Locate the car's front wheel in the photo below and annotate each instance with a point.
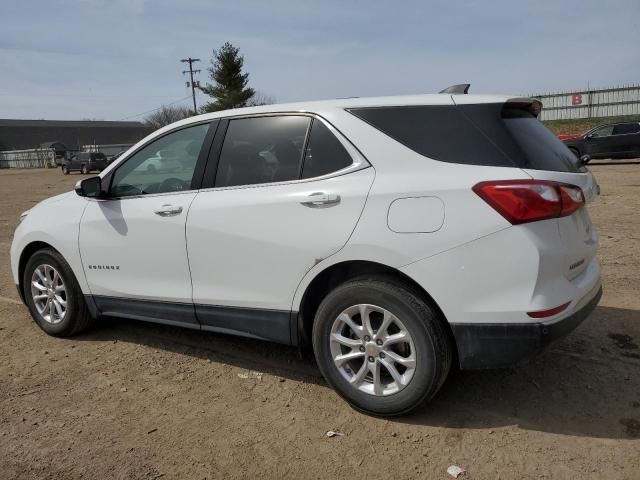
(380, 346)
(53, 295)
(65, 170)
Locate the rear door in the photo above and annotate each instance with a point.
(627, 138)
(286, 193)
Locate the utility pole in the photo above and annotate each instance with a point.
(191, 71)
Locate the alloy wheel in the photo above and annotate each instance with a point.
(372, 350)
(49, 294)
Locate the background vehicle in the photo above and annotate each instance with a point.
(162, 161)
(401, 234)
(618, 140)
(112, 158)
(85, 162)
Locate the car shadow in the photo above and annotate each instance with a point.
(586, 385)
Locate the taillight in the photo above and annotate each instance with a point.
(522, 201)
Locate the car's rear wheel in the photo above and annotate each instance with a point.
(380, 346)
(65, 170)
(84, 170)
(53, 295)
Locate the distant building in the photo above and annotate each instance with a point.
(24, 134)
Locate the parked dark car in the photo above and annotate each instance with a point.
(113, 158)
(85, 162)
(618, 140)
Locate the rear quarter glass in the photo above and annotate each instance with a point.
(492, 134)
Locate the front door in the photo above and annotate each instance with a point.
(287, 194)
(133, 244)
(600, 142)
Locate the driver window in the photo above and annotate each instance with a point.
(603, 132)
(165, 165)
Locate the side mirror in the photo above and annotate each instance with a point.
(589, 136)
(90, 187)
(583, 160)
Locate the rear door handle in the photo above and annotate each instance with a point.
(321, 199)
(168, 211)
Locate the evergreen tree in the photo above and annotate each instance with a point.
(229, 89)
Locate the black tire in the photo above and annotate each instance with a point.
(432, 346)
(77, 317)
(65, 170)
(84, 170)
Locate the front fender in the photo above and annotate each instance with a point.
(57, 224)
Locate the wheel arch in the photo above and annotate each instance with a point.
(338, 273)
(25, 255)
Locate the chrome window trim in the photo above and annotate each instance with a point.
(358, 161)
(122, 161)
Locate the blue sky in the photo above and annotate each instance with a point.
(114, 59)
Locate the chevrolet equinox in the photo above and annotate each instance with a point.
(396, 236)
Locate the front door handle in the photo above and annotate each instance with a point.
(321, 199)
(168, 211)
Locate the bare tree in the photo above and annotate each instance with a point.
(261, 98)
(167, 115)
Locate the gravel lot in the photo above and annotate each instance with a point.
(133, 400)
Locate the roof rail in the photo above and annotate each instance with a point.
(460, 88)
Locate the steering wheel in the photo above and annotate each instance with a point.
(171, 184)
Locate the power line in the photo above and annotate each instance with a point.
(155, 109)
(191, 71)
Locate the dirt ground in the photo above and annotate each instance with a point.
(134, 400)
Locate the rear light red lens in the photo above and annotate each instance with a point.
(522, 201)
(548, 313)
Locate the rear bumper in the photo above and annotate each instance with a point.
(499, 345)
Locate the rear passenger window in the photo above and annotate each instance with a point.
(625, 128)
(262, 150)
(325, 154)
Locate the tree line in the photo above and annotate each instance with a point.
(229, 88)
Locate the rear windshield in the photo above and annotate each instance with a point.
(494, 134)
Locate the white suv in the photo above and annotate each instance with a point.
(397, 235)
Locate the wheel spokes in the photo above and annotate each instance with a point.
(40, 287)
(347, 342)
(359, 377)
(395, 338)
(393, 371)
(48, 293)
(374, 368)
(346, 357)
(375, 352)
(408, 362)
(346, 319)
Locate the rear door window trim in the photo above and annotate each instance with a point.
(358, 161)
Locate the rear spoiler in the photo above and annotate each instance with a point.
(531, 105)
